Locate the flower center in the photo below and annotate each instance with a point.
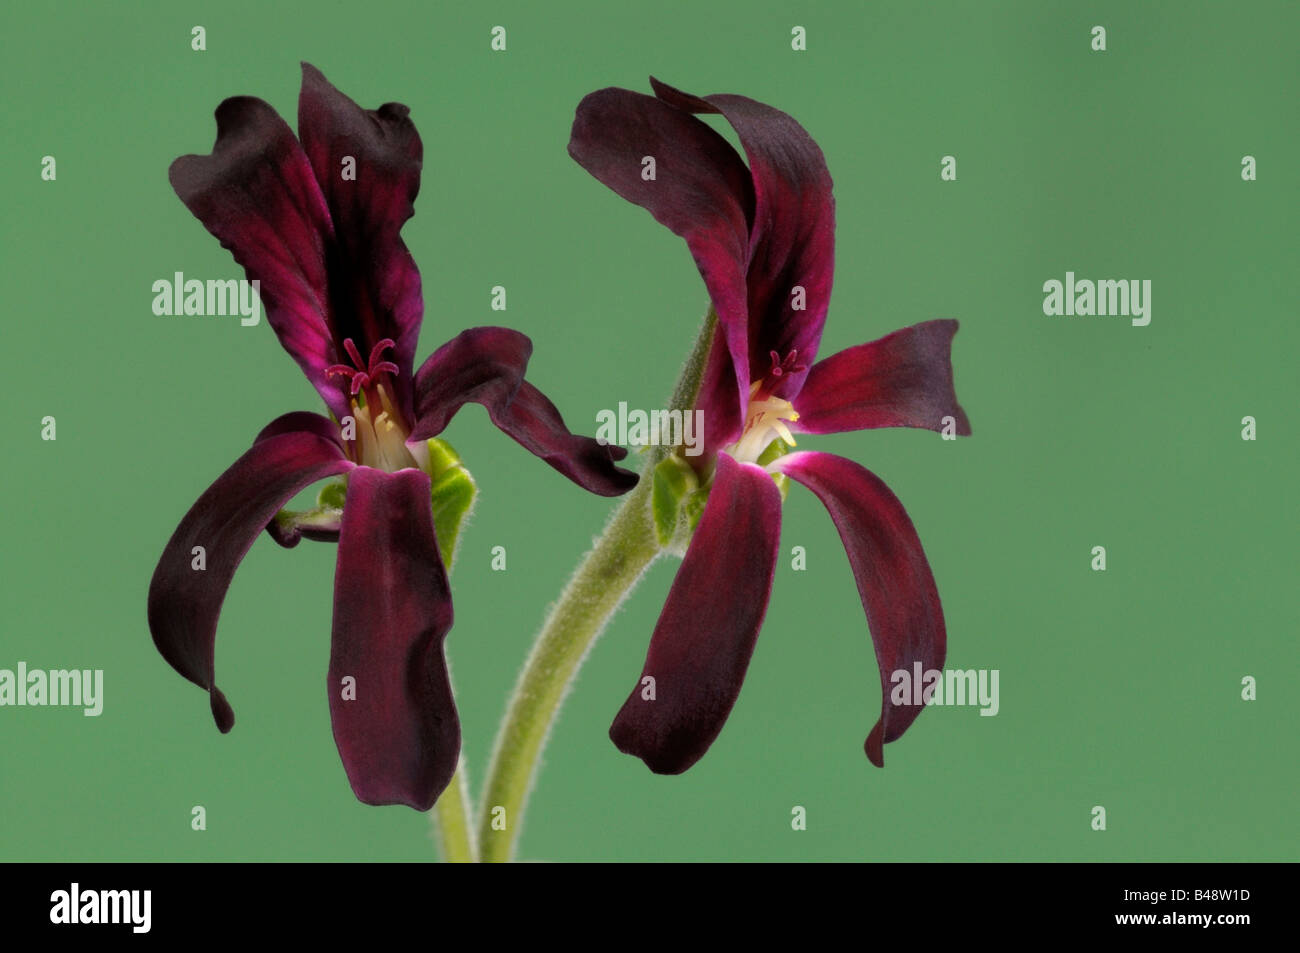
(766, 416)
(380, 431)
(381, 437)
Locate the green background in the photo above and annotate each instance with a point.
(1119, 689)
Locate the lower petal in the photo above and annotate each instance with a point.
(395, 721)
(486, 366)
(702, 645)
(480, 365)
(200, 559)
(892, 573)
(533, 422)
(902, 380)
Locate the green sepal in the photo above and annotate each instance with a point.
(674, 480)
(782, 484)
(694, 508)
(777, 449)
(442, 457)
(332, 495)
(452, 493)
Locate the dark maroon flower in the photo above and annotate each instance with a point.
(763, 238)
(342, 294)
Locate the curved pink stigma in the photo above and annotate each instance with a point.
(786, 366)
(363, 373)
(780, 367)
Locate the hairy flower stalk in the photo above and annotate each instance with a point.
(453, 821)
(603, 580)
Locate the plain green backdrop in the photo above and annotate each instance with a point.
(1119, 688)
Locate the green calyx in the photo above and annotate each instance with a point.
(674, 482)
(452, 492)
(332, 495)
(677, 498)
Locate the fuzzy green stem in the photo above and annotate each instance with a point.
(604, 578)
(451, 821)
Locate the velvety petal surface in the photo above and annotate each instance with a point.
(374, 282)
(184, 601)
(400, 736)
(705, 636)
(486, 366)
(256, 193)
(792, 239)
(902, 380)
(701, 191)
(892, 574)
(481, 365)
(532, 421)
(724, 415)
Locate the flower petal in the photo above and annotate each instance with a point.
(302, 420)
(902, 380)
(185, 601)
(396, 725)
(288, 534)
(700, 190)
(532, 421)
(374, 278)
(792, 241)
(893, 577)
(716, 398)
(486, 366)
(481, 365)
(705, 636)
(257, 194)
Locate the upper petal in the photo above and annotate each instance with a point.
(256, 193)
(486, 366)
(189, 586)
(374, 280)
(700, 190)
(705, 636)
(395, 725)
(892, 573)
(902, 380)
(792, 241)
